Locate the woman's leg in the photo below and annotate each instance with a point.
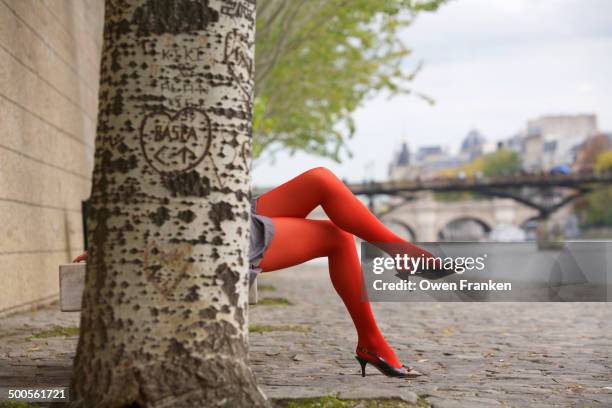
(319, 186)
(298, 240)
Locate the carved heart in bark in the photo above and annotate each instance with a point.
(166, 269)
(238, 59)
(175, 142)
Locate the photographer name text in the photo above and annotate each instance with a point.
(426, 285)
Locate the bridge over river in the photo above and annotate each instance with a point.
(513, 200)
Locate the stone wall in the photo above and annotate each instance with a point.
(49, 68)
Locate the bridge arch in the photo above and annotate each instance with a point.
(527, 220)
(530, 226)
(465, 227)
(402, 228)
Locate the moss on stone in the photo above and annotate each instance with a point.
(263, 328)
(55, 331)
(17, 404)
(334, 402)
(273, 301)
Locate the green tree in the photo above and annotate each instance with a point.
(164, 318)
(595, 209)
(604, 162)
(503, 162)
(317, 60)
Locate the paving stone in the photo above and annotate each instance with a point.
(553, 354)
(377, 393)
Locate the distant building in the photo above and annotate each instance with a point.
(515, 143)
(587, 152)
(429, 161)
(473, 145)
(546, 142)
(429, 153)
(403, 158)
(424, 164)
(552, 140)
(564, 126)
(533, 149)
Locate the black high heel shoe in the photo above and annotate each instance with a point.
(384, 367)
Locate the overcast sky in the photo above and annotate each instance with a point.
(490, 65)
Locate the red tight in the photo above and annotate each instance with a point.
(297, 240)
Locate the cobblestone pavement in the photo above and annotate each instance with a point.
(474, 354)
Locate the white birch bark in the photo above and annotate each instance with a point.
(164, 308)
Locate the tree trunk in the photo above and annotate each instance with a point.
(164, 309)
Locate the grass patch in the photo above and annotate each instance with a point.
(266, 288)
(264, 328)
(273, 301)
(321, 402)
(55, 331)
(17, 404)
(333, 402)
